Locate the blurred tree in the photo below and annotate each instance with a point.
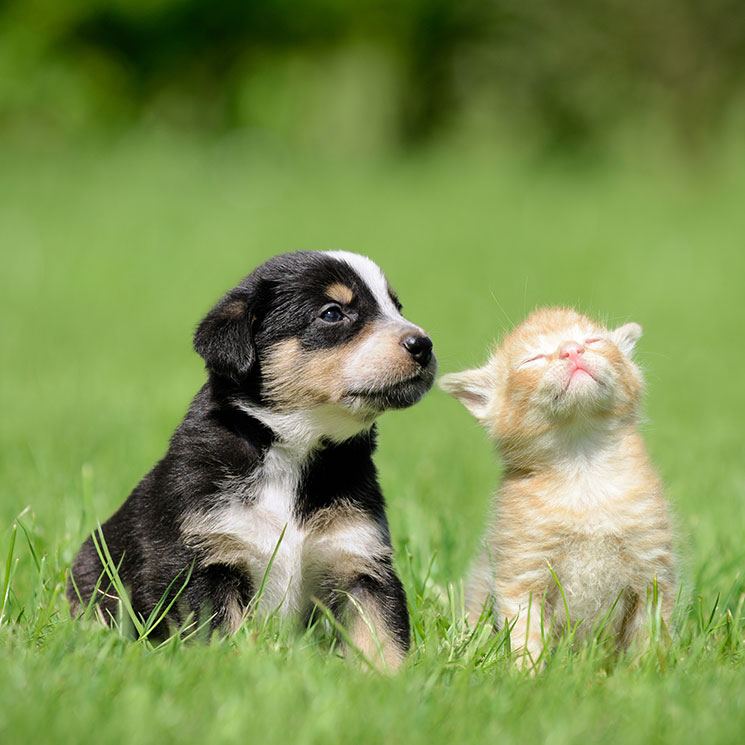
(569, 72)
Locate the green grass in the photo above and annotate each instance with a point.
(109, 257)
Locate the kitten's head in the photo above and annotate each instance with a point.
(557, 368)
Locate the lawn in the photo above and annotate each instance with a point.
(111, 254)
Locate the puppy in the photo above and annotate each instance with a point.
(274, 458)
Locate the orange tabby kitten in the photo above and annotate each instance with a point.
(580, 498)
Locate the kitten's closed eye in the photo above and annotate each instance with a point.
(594, 340)
(534, 358)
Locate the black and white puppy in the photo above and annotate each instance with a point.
(302, 357)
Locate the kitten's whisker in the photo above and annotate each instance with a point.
(504, 312)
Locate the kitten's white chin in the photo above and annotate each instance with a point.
(582, 394)
(581, 377)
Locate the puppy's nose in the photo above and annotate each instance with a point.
(419, 347)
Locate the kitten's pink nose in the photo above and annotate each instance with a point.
(570, 350)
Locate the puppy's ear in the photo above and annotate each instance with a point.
(224, 338)
(473, 388)
(626, 336)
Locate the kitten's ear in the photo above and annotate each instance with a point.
(626, 336)
(472, 388)
(224, 338)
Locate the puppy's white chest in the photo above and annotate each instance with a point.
(286, 558)
(258, 532)
(274, 539)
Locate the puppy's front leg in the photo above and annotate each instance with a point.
(374, 612)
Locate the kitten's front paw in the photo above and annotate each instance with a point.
(529, 658)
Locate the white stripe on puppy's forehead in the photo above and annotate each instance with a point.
(372, 276)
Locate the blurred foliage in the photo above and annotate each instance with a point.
(373, 73)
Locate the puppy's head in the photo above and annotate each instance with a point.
(308, 330)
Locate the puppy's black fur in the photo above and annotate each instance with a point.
(280, 436)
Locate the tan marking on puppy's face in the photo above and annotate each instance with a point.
(295, 379)
(340, 293)
(375, 359)
(378, 358)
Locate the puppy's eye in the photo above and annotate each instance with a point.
(332, 314)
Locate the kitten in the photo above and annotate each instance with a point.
(579, 498)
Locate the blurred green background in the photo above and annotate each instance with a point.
(373, 75)
(492, 157)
